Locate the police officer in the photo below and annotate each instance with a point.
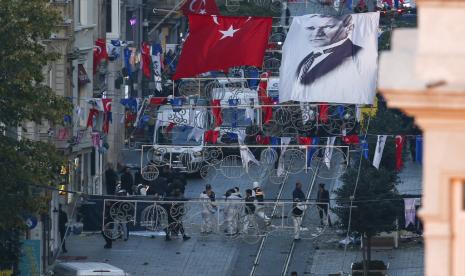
(297, 212)
(259, 196)
(249, 210)
(323, 204)
(231, 211)
(208, 209)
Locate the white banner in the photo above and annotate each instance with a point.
(329, 151)
(330, 59)
(156, 53)
(379, 150)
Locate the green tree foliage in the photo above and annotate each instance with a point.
(376, 203)
(24, 164)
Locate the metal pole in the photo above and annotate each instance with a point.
(166, 16)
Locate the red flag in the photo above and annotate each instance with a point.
(351, 139)
(217, 112)
(106, 114)
(220, 42)
(211, 136)
(100, 52)
(157, 101)
(106, 122)
(200, 7)
(170, 127)
(106, 105)
(145, 58)
(399, 147)
(262, 86)
(90, 119)
(323, 113)
(305, 140)
(262, 140)
(267, 110)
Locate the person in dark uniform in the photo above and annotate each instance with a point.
(62, 221)
(249, 210)
(323, 203)
(259, 196)
(108, 219)
(298, 193)
(127, 181)
(110, 179)
(175, 212)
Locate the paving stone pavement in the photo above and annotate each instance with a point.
(220, 256)
(155, 256)
(402, 261)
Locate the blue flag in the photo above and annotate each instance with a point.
(419, 149)
(311, 149)
(364, 145)
(275, 141)
(340, 111)
(127, 65)
(254, 74)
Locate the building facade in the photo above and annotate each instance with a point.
(423, 76)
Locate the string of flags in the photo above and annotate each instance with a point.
(147, 57)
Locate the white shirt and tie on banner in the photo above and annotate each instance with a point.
(335, 60)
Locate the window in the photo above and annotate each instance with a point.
(78, 12)
(178, 135)
(235, 117)
(108, 7)
(112, 25)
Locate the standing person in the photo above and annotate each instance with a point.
(208, 209)
(110, 179)
(160, 186)
(297, 211)
(231, 211)
(108, 233)
(62, 221)
(298, 193)
(138, 179)
(179, 180)
(127, 181)
(323, 204)
(175, 217)
(259, 196)
(249, 210)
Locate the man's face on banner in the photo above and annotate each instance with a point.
(325, 30)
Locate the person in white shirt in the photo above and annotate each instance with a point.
(231, 211)
(208, 209)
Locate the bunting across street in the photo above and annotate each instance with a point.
(217, 43)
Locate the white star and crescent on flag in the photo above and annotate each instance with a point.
(229, 32)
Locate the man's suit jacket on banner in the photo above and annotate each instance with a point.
(343, 72)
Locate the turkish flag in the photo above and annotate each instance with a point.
(323, 113)
(200, 7)
(400, 140)
(106, 104)
(157, 101)
(211, 136)
(217, 43)
(305, 140)
(145, 58)
(351, 139)
(262, 140)
(100, 52)
(216, 110)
